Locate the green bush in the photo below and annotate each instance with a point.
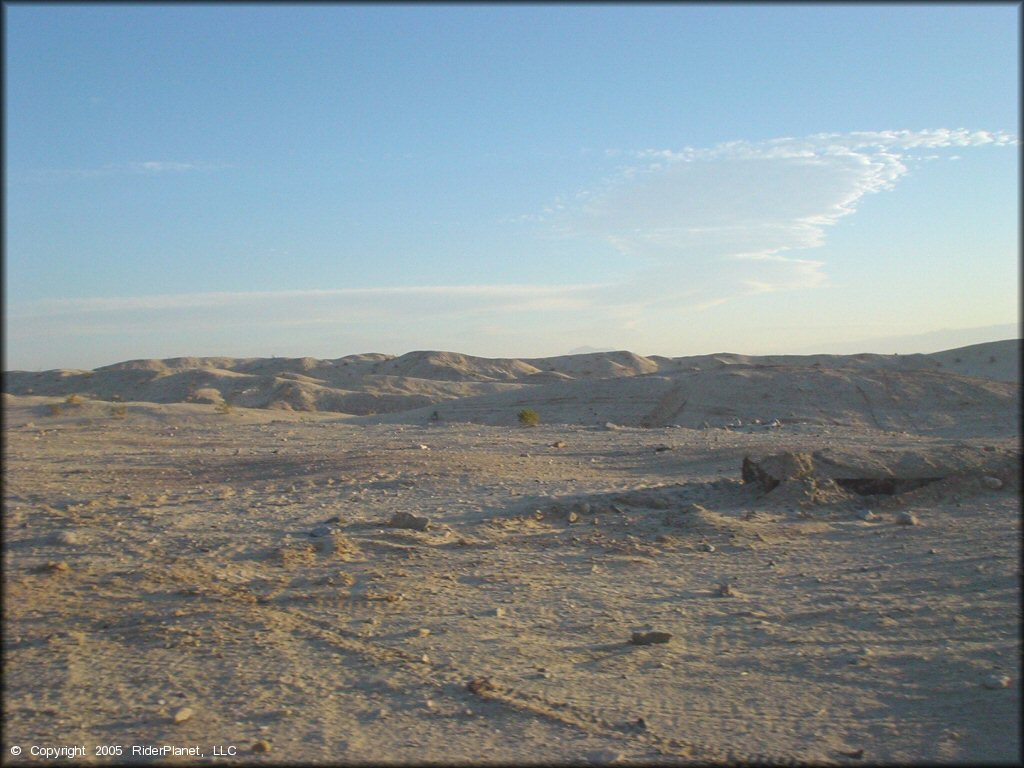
(529, 417)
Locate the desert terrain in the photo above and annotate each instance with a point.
(725, 558)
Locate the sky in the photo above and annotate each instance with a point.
(507, 181)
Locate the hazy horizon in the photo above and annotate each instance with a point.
(508, 181)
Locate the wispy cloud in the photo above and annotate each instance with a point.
(318, 321)
(135, 167)
(168, 166)
(400, 299)
(727, 217)
(695, 228)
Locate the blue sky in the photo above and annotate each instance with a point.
(507, 180)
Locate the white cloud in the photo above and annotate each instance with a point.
(722, 217)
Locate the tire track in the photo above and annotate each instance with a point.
(567, 713)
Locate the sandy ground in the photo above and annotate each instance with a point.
(236, 572)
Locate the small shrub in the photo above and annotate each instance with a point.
(223, 407)
(529, 417)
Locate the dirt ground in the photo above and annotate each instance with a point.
(174, 575)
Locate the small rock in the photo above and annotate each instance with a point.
(424, 447)
(183, 714)
(320, 530)
(423, 632)
(650, 638)
(261, 746)
(662, 448)
(867, 516)
(906, 518)
(57, 565)
(480, 685)
(67, 537)
(406, 520)
(705, 547)
(992, 483)
(573, 517)
(498, 612)
(538, 514)
(558, 444)
(724, 590)
(995, 682)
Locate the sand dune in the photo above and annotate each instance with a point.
(878, 390)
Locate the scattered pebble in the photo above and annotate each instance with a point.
(992, 483)
(183, 714)
(995, 682)
(906, 518)
(650, 638)
(261, 746)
